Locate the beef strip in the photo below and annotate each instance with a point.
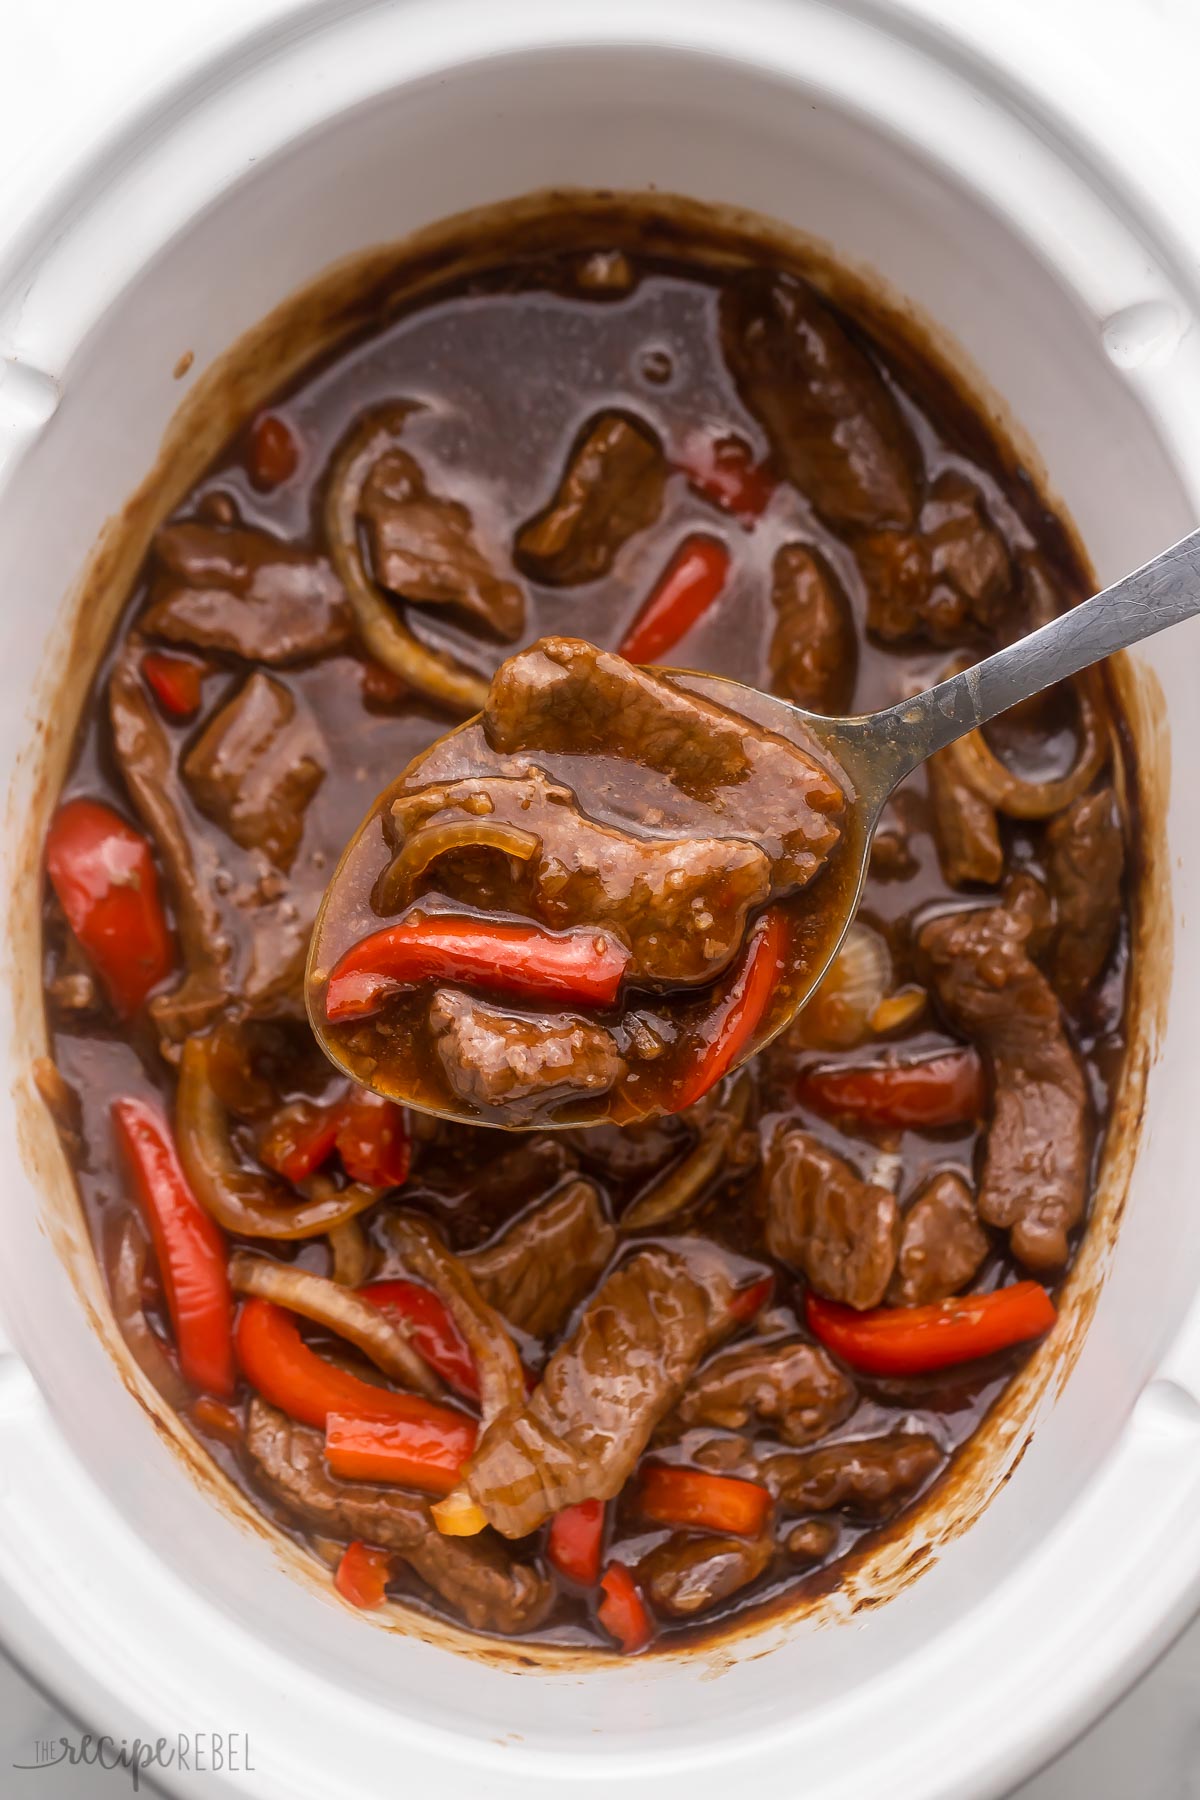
(255, 767)
(949, 577)
(476, 1576)
(686, 1575)
(423, 548)
(869, 1478)
(681, 904)
(942, 1243)
(544, 1261)
(812, 1540)
(965, 826)
(834, 427)
(565, 695)
(189, 861)
(496, 1058)
(246, 593)
(604, 1390)
(1035, 1173)
(793, 1388)
(612, 488)
(1085, 864)
(814, 649)
(823, 1219)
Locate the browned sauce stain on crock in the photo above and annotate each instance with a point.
(362, 292)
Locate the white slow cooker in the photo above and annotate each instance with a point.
(1071, 1554)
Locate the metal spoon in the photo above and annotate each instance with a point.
(875, 751)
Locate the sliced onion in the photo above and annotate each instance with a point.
(126, 1272)
(687, 1180)
(1022, 799)
(351, 1254)
(899, 1009)
(244, 1201)
(840, 1012)
(426, 846)
(501, 1377)
(325, 1303)
(385, 636)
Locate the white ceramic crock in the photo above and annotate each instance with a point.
(145, 1607)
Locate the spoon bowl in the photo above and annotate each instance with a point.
(867, 754)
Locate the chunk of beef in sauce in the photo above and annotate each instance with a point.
(604, 1390)
(680, 904)
(255, 767)
(476, 1576)
(563, 695)
(793, 1389)
(868, 1478)
(834, 427)
(1085, 867)
(611, 489)
(948, 578)
(423, 548)
(942, 1243)
(546, 1260)
(244, 592)
(514, 1061)
(821, 1218)
(814, 652)
(965, 826)
(686, 1575)
(1035, 1174)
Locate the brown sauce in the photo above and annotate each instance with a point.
(508, 366)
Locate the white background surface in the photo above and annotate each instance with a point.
(1135, 60)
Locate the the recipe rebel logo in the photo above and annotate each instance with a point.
(204, 1752)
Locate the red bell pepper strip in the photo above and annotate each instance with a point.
(217, 1419)
(280, 1366)
(362, 1575)
(381, 687)
(426, 1453)
(674, 1496)
(274, 454)
(299, 1139)
(434, 1334)
(175, 682)
(913, 1340)
(691, 582)
(190, 1248)
(623, 1612)
(373, 1140)
(583, 966)
(738, 1016)
(577, 1541)
(945, 1089)
(748, 1302)
(103, 873)
(724, 471)
(369, 1133)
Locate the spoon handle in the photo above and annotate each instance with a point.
(1162, 592)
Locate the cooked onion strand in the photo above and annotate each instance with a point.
(1022, 799)
(249, 1203)
(385, 636)
(325, 1303)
